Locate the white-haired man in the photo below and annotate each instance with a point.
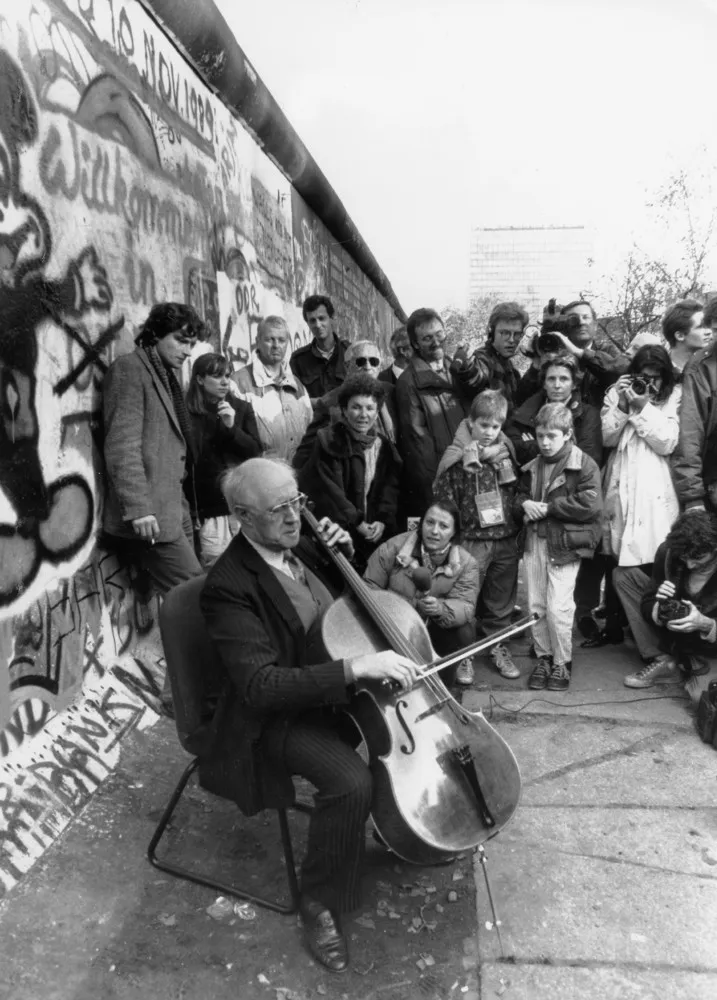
(263, 606)
(362, 357)
(280, 402)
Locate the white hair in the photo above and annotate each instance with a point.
(240, 482)
(352, 348)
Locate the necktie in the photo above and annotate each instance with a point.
(295, 567)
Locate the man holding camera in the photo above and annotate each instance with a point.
(673, 615)
(575, 330)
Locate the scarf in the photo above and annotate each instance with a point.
(174, 391)
(366, 440)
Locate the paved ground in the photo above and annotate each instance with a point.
(605, 882)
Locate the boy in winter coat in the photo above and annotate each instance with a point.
(560, 500)
(478, 474)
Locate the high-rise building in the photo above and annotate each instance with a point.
(531, 264)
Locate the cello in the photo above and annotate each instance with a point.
(444, 780)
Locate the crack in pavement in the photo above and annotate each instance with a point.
(603, 758)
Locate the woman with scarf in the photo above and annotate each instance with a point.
(560, 379)
(438, 577)
(224, 434)
(353, 472)
(641, 423)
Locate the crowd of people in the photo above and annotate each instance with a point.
(580, 466)
(437, 476)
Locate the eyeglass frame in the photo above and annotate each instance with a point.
(364, 362)
(296, 504)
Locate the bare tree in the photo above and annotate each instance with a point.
(669, 261)
(469, 326)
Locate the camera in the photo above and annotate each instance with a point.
(671, 610)
(641, 385)
(546, 342)
(554, 322)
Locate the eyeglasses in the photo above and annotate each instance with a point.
(297, 503)
(365, 362)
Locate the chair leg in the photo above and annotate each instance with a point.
(224, 887)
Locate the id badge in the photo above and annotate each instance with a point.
(490, 509)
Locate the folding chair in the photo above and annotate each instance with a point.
(196, 685)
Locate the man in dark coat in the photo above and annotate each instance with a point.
(279, 718)
(429, 408)
(148, 448)
(321, 365)
(491, 366)
(694, 461)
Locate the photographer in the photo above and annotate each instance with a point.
(640, 422)
(575, 328)
(673, 614)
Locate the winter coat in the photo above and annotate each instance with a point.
(327, 411)
(694, 460)
(281, 405)
(455, 584)
(486, 369)
(429, 412)
(335, 476)
(218, 448)
(573, 523)
(684, 645)
(640, 499)
(461, 485)
(144, 449)
(586, 423)
(317, 373)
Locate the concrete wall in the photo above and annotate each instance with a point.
(124, 180)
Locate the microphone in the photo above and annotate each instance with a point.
(422, 579)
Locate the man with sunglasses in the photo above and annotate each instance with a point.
(362, 357)
(263, 602)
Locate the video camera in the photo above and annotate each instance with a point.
(546, 341)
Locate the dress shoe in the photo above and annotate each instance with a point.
(323, 937)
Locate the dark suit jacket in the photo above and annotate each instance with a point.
(262, 651)
(144, 450)
(386, 375)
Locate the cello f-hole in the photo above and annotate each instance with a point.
(410, 748)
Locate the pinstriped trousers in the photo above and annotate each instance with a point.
(550, 596)
(316, 748)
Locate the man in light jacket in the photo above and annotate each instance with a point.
(281, 404)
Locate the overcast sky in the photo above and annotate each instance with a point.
(429, 118)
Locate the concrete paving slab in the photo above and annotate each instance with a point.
(570, 909)
(541, 982)
(580, 762)
(94, 920)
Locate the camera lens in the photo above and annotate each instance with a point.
(639, 385)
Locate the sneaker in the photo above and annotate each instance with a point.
(539, 677)
(464, 673)
(500, 655)
(659, 669)
(559, 679)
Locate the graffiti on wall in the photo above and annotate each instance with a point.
(123, 182)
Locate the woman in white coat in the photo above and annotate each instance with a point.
(640, 422)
